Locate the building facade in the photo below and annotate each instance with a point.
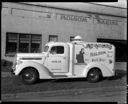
(27, 27)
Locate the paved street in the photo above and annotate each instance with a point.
(103, 94)
(75, 90)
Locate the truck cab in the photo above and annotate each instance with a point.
(57, 59)
(75, 59)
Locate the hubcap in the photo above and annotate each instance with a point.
(93, 76)
(28, 76)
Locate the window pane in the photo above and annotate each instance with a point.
(35, 47)
(53, 38)
(24, 38)
(53, 50)
(24, 43)
(24, 47)
(11, 43)
(11, 47)
(36, 43)
(60, 49)
(71, 38)
(57, 50)
(36, 39)
(12, 35)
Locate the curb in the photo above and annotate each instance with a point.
(58, 92)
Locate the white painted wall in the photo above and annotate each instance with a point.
(15, 19)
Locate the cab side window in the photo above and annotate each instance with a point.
(57, 50)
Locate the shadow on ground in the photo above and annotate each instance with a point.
(120, 74)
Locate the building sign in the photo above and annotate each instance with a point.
(107, 22)
(73, 18)
(100, 20)
(42, 14)
(86, 19)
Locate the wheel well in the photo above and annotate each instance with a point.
(29, 67)
(96, 68)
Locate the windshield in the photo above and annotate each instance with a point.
(46, 48)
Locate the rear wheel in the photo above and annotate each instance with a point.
(94, 75)
(29, 76)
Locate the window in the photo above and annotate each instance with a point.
(22, 43)
(57, 50)
(71, 38)
(53, 38)
(36, 43)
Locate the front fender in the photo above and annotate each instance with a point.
(104, 69)
(44, 73)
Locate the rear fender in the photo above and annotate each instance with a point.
(103, 68)
(44, 73)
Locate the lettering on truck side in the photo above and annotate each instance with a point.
(90, 46)
(97, 53)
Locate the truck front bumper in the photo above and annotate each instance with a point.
(12, 71)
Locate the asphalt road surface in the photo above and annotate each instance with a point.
(103, 94)
(74, 90)
(105, 91)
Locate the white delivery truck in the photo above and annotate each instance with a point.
(75, 59)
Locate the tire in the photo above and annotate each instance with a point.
(29, 76)
(94, 75)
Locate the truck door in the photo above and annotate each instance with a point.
(57, 60)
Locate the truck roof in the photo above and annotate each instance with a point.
(75, 42)
(55, 43)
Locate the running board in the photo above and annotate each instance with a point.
(60, 76)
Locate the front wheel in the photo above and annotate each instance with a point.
(29, 76)
(94, 75)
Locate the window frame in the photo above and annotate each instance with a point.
(56, 50)
(72, 38)
(18, 43)
(56, 36)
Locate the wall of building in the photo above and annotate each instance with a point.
(21, 18)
